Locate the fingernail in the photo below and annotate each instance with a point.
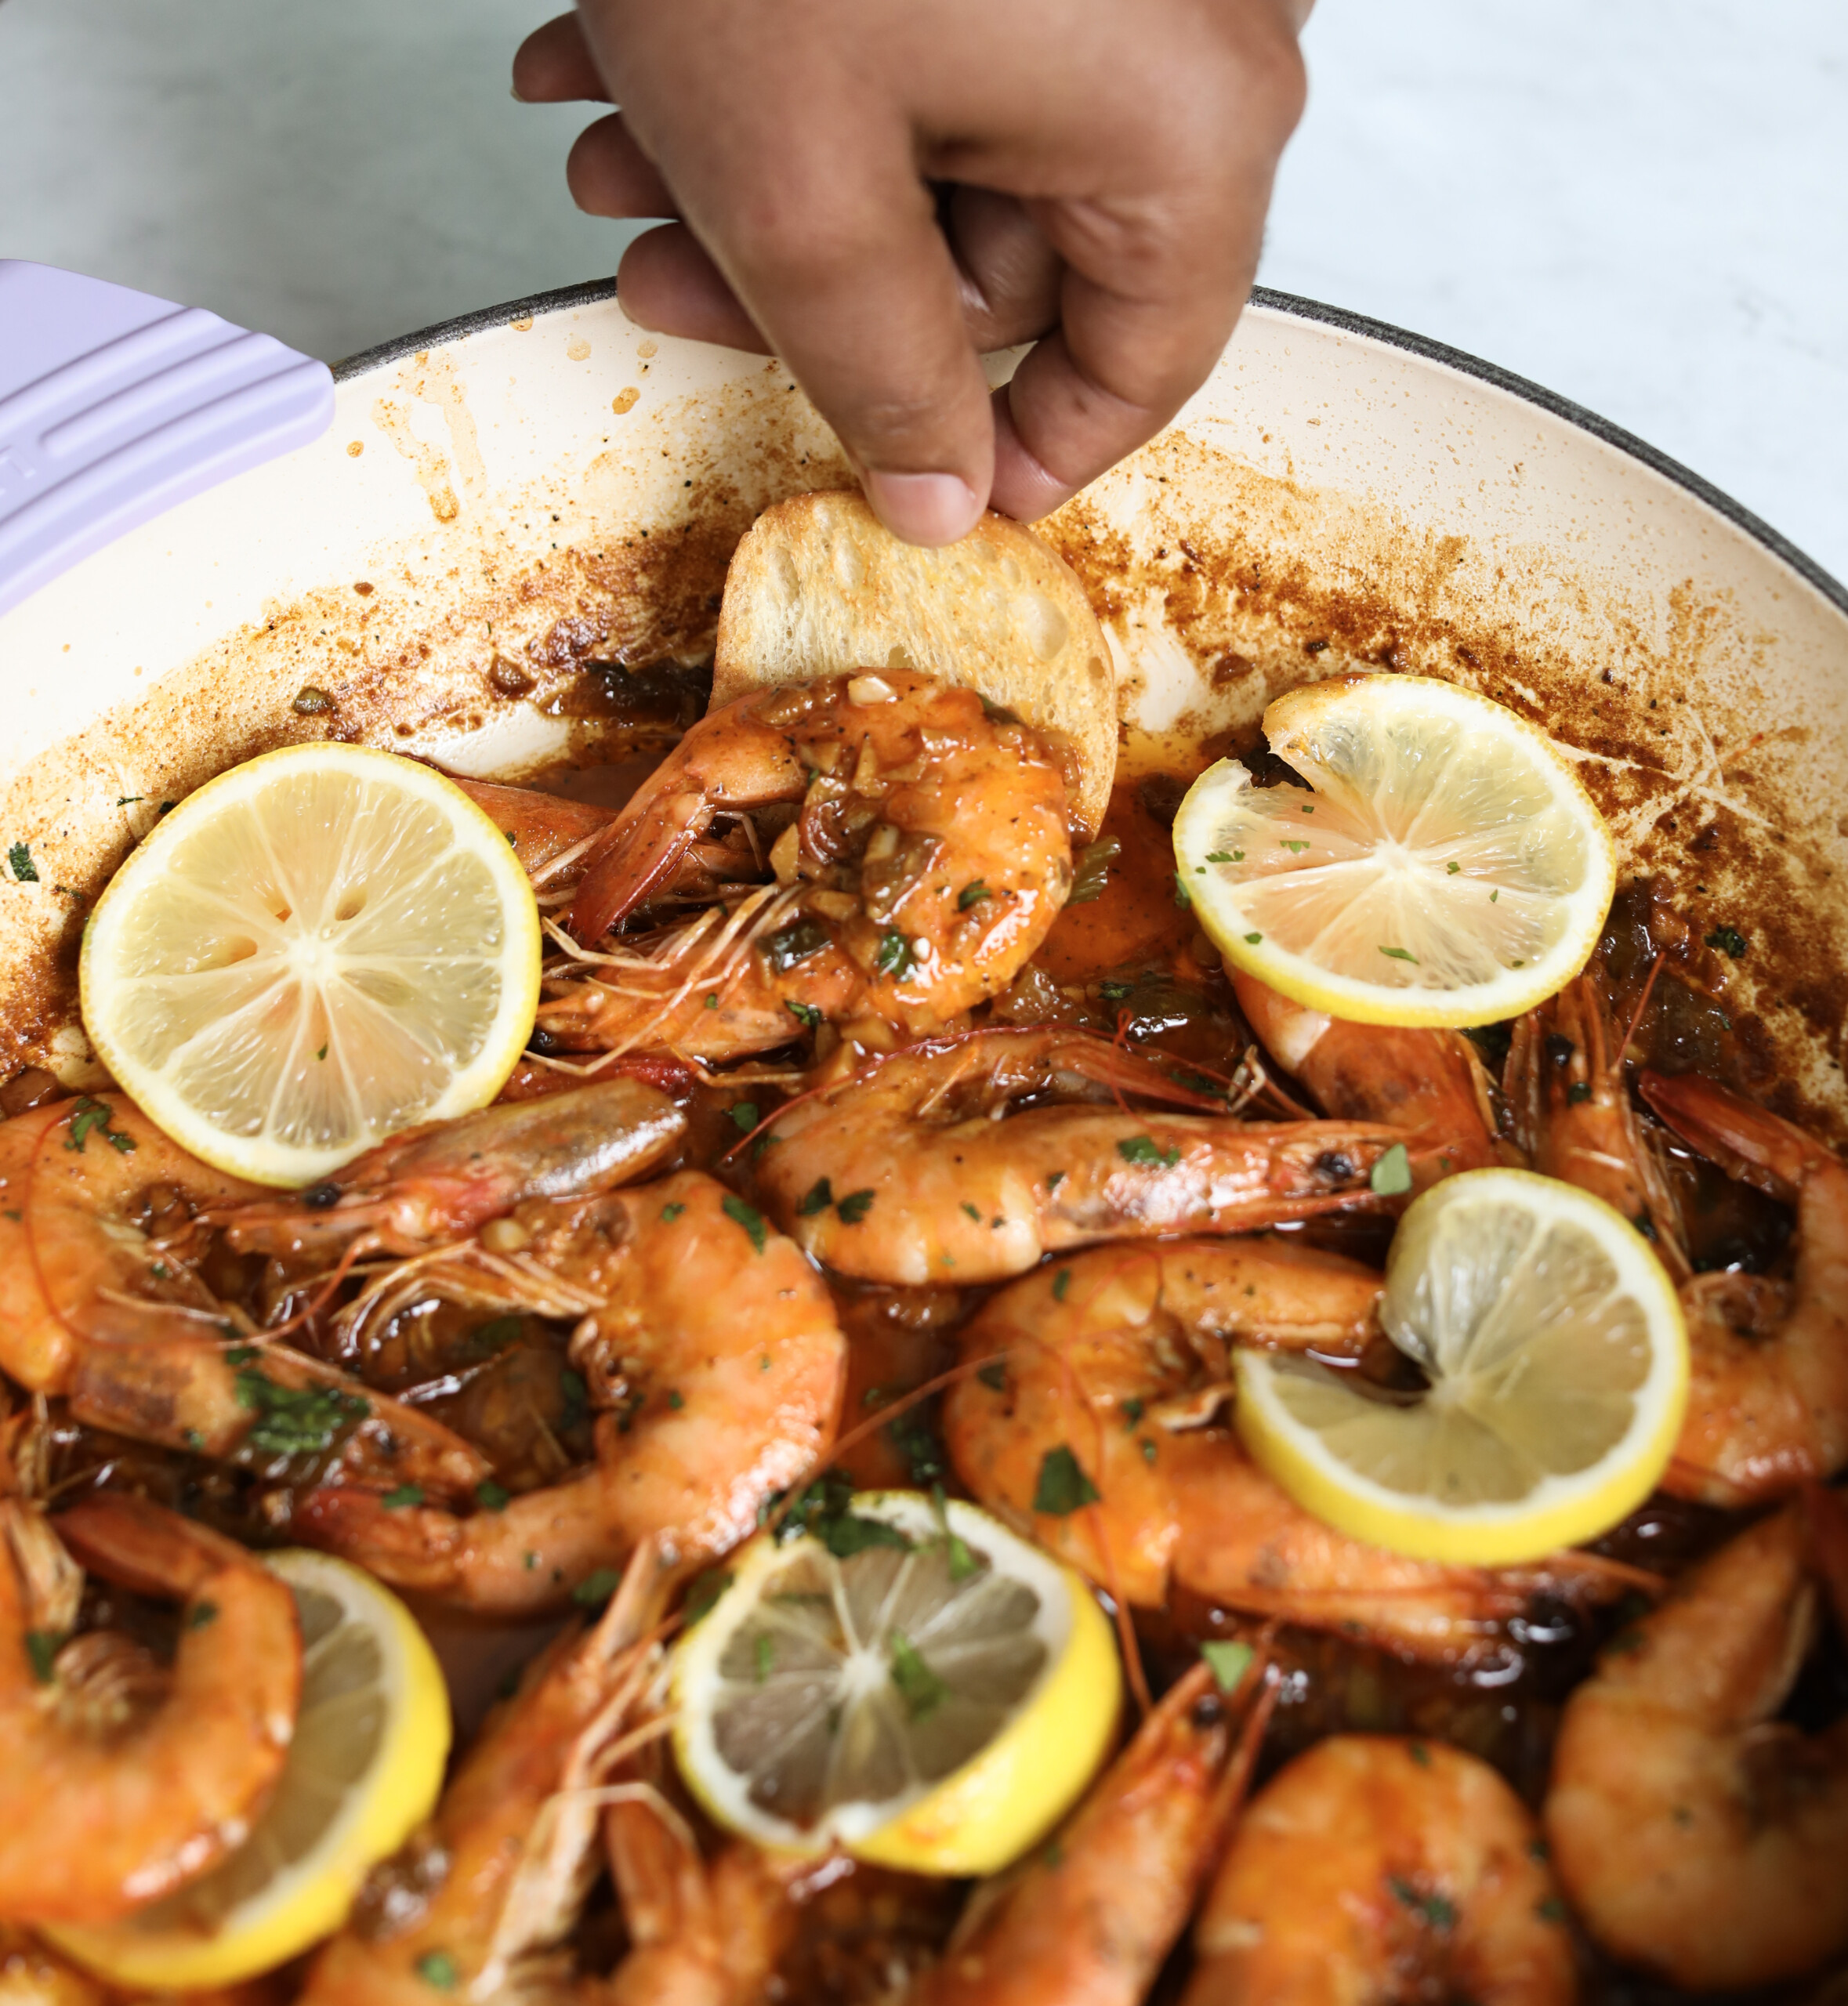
(924, 508)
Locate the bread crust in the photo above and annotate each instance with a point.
(818, 586)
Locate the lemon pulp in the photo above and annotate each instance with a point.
(933, 1693)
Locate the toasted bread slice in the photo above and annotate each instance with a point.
(819, 585)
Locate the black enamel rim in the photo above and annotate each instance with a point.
(1722, 504)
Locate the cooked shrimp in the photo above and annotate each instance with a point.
(1429, 1080)
(1089, 1921)
(1697, 1835)
(907, 1173)
(712, 1349)
(729, 982)
(439, 1183)
(1372, 1869)
(1102, 1437)
(479, 1903)
(1768, 1388)
(1573, 1116)
(99, 1302)
(700, 1932)
(122, 1783)
(932, 846)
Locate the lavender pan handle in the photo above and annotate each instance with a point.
(115, 405)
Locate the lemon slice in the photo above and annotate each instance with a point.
(320, 946)
(929, 1692)
(1558, 1362)
(1448, 868)
(364, 1770)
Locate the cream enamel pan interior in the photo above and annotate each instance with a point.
(501, 500)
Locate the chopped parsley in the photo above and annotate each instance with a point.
(596, 1588)
(817, 1198)
(1728, 939)
(492, 1496)
(1577, 1093)
(1063, 1487)
(854, 1207)
(20, 856)
(1227, 1661)
(437, 1967)
(1450, 869)
(973, 1211)
(42, 1647)
(1091, 871)
(1252, 939)
(200, 1614)
(993, 1376)
(744, 1115)
(1219, 857)
(670, 1213)
(405, 1494)
(292, 1421)
(748, 1217)
(89, 1114)
(805, 1014)
(1141, 1149)
(1294, 848)
(1399, 954)
(1435, 1910)
(1061, 1282)
(971, 894)
(895, 957)
(794, 943)
(1391, 1176)
(1183, 897)
(824, 1510)
(919, 1686)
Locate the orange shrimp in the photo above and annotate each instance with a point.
(930, 856)
(1102, 1437)
(1090, 1919)
(906, 1172)
(712, 1350)
(122, 1783)
(1697, 1835)
(1430, 1081)
(1768, 1392)
(1373, 1869)
(1572, 1114)
(100, 1302)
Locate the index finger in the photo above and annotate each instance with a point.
(554, 65)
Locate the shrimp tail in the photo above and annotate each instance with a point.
(1748, 1142)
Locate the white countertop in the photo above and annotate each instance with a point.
(1641, 203)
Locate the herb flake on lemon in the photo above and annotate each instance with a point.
(904, 1677)
(318, 948)
(1446, 866)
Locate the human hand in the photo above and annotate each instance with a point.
(881, 190)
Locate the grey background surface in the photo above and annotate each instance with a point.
(1642, 203)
